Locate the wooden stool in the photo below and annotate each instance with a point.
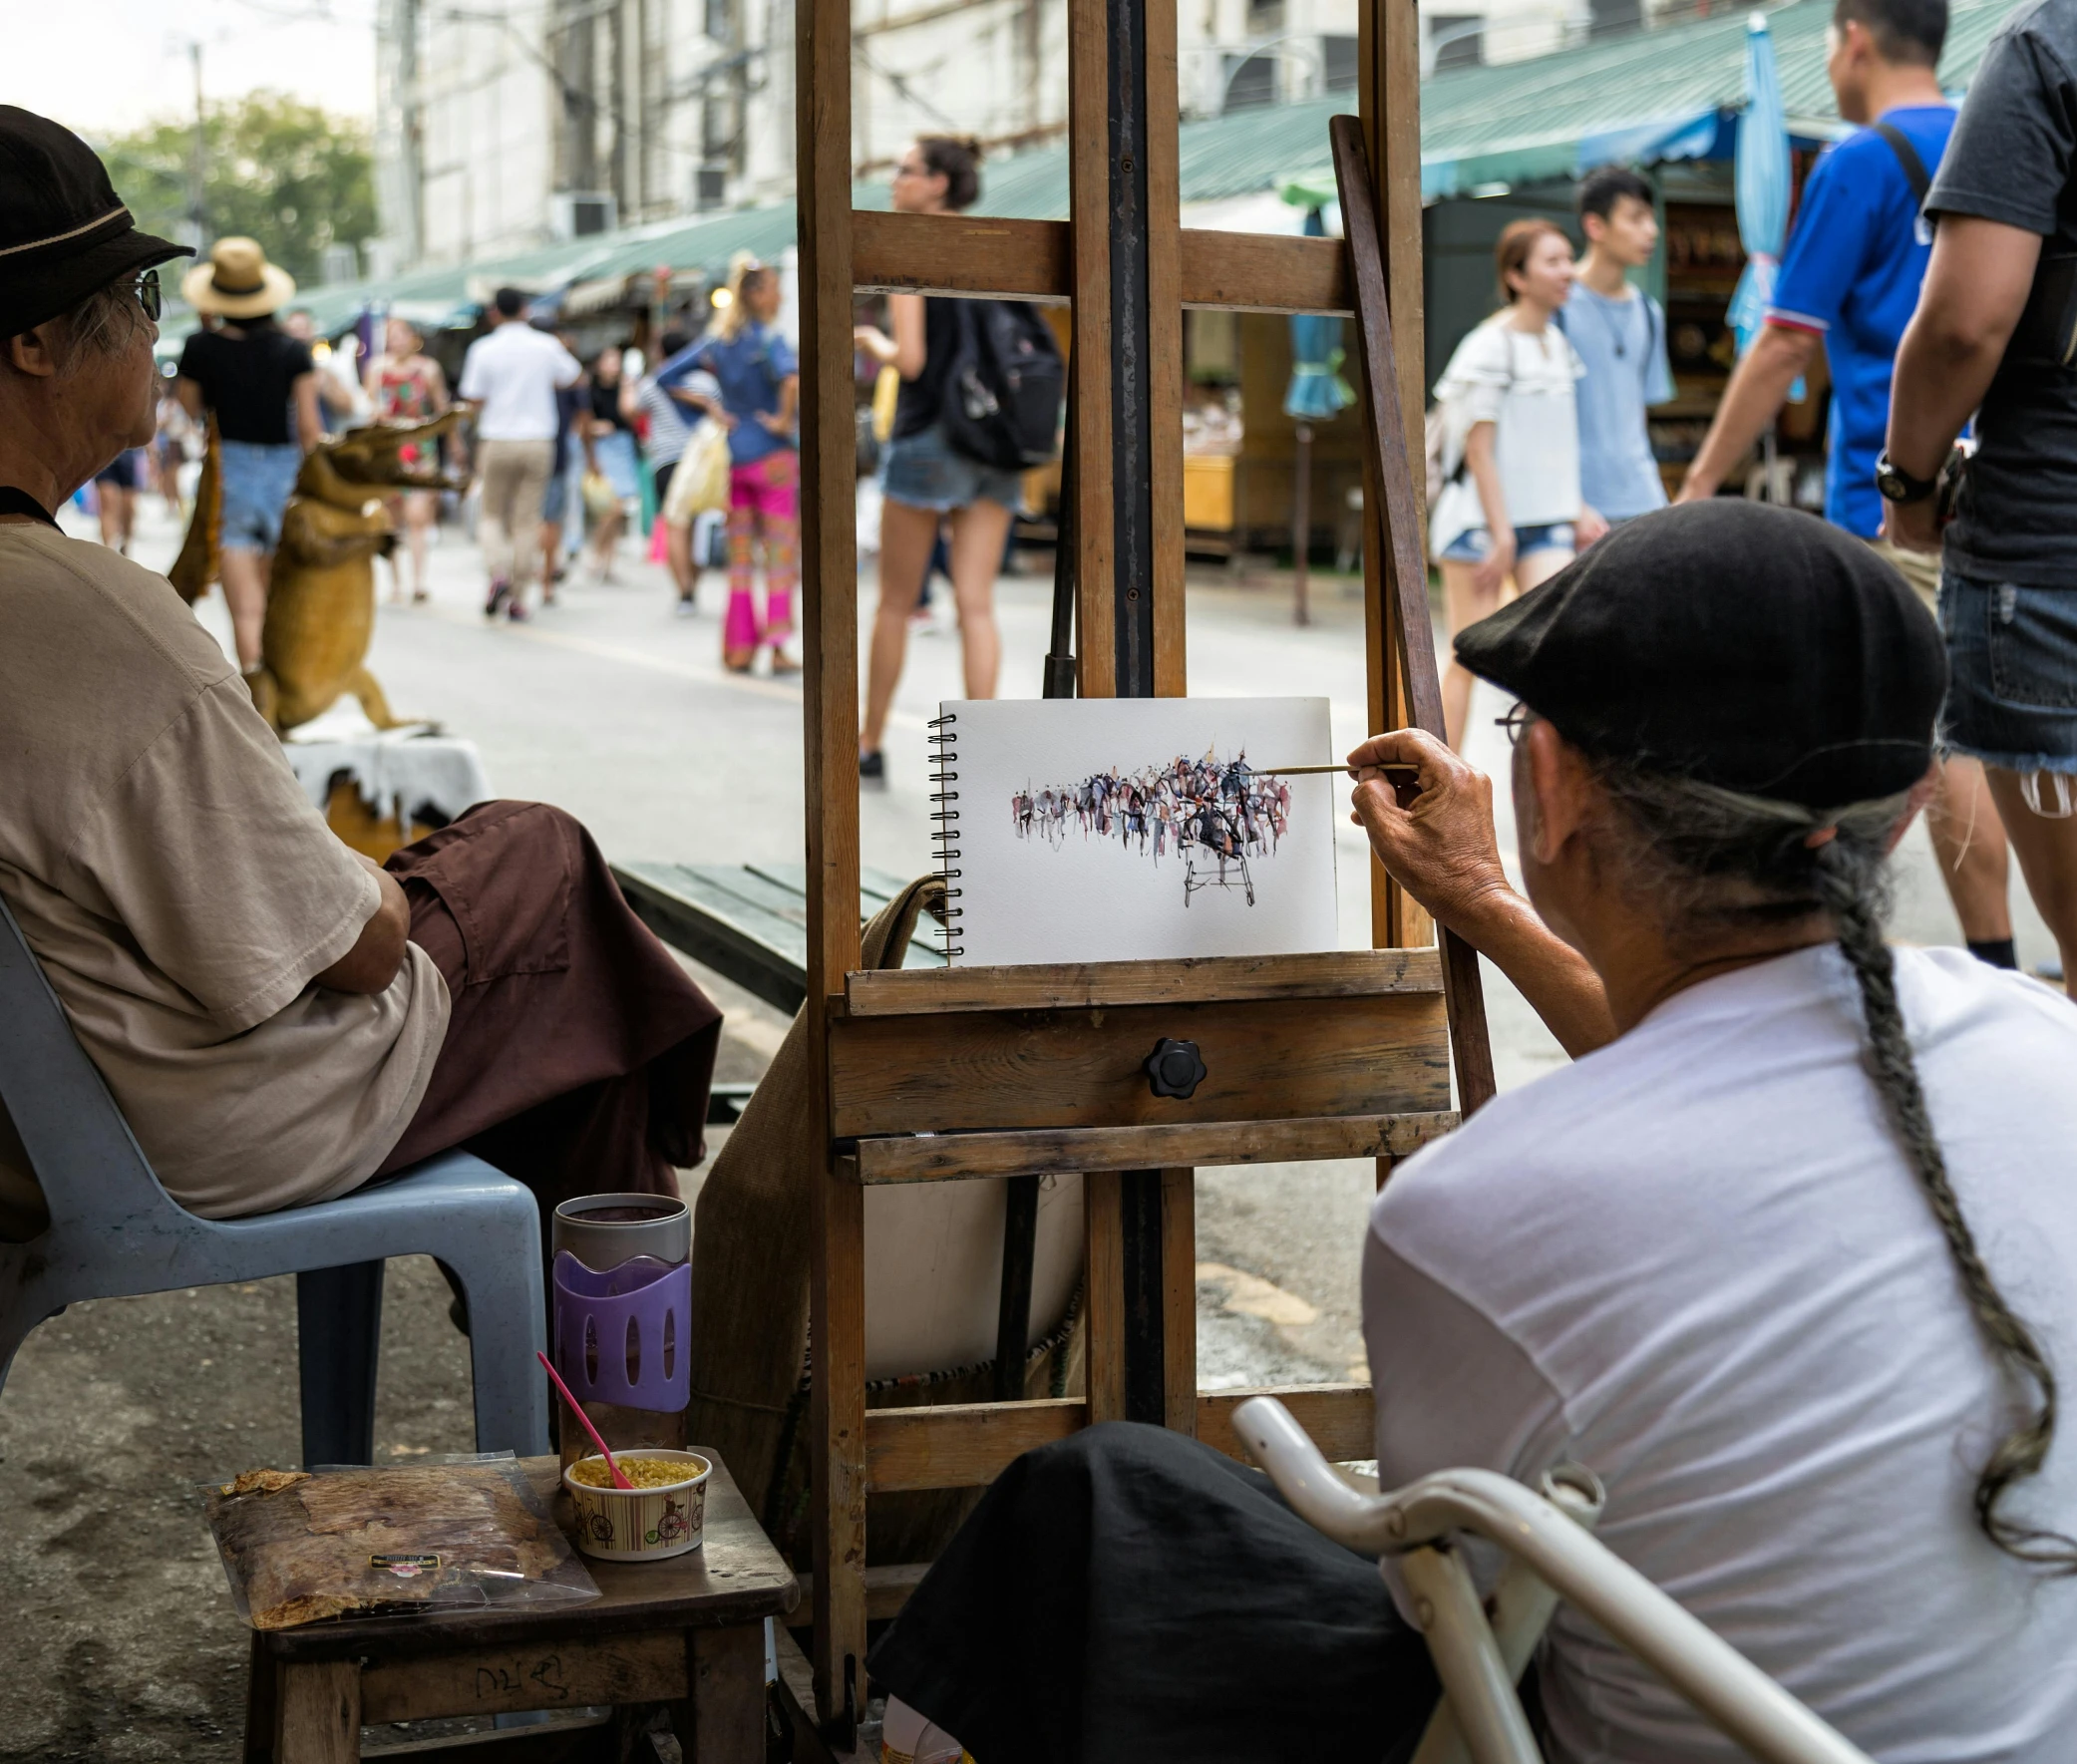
(688, 1632)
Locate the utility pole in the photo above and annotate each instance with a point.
(399, 133)
(198, 159)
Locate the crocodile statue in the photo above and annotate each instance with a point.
(321, 598)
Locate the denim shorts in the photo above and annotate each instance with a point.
(257, 481)
(922, 471)
(2012, 673)
(1472, 544)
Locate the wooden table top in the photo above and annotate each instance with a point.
(735, 1577)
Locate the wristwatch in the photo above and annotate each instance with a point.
(1898, 485)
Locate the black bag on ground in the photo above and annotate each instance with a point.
(1003, 391)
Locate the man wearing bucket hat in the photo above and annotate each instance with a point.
(1788, 1259)
(260, 385)
(280, 1019)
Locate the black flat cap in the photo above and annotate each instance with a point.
(64, 233)
(1747, 646)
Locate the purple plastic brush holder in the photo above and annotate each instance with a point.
(621, 1336)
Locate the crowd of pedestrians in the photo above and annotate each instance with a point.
(1540, 440)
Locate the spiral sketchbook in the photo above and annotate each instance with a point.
(1129, 828)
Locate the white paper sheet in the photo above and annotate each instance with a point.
(1077, 886)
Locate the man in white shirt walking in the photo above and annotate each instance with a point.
(510, 378)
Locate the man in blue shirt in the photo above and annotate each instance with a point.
(1849, 285)
(1621, 334)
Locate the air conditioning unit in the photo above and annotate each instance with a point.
(580, 213)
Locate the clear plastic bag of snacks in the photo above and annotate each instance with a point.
(302, 1546)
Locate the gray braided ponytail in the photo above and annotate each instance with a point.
(1714, 858)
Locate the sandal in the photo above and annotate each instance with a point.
(738, 661)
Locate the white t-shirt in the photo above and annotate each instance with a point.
(1697, 1262)
(1522, 383)
(514, 373)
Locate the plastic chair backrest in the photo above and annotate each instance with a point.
(81, 1150)
(1416, 1523)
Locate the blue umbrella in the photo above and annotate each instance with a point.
(1762, 183)
(1318, 390)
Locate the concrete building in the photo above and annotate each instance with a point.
(505, 125)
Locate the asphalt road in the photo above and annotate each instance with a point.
(124, 1643)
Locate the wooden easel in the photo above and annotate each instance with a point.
(1016, 1070)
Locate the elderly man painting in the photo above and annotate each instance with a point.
(279, 1020)
(1787, 1255)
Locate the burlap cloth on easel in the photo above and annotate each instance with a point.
(749, 1329)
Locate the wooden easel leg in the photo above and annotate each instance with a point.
(830, 687)
(836, 1329)
(317, 1719)
(726, 1670)
(1104, 1236)
(1178, 1263)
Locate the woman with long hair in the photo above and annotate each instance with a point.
(406, 385)
(1511, 441)
(760, 382)
(928, 483)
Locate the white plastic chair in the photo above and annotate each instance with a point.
(114, 1232)
(1552, 1555)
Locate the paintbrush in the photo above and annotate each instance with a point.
(1392, 767)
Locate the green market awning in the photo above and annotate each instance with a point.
(1642, 99)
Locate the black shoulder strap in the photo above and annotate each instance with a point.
(1914, 167)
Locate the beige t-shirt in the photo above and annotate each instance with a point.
(181, 892)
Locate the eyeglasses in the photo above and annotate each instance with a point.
(1515, 722)
(149, 295)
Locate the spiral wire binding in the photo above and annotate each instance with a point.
(946, 832)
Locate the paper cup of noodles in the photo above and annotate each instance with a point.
(663, 1515)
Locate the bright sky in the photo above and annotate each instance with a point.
(103, 67)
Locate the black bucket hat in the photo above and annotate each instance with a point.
(64, 233)
(1751, 648)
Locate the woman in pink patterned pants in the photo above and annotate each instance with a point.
(763, 502)
(760, 385)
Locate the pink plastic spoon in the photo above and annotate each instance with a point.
(583, 1420)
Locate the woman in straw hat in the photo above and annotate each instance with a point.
(260, 385)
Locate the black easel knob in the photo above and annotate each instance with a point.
(1175, 1068)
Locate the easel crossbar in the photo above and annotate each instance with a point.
(982, 256)
(968, 1445)
(965, 1157)
(1076, 985)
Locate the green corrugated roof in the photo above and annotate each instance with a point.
(1518, 122)
(1657, 93)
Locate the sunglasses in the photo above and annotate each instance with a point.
(1515, 722)
(149, 295)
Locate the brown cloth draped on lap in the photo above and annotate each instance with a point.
(579, 1053)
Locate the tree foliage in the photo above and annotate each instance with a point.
(283, 172)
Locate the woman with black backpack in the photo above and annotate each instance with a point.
(928, 477)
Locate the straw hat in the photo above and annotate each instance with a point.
(238, 281)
